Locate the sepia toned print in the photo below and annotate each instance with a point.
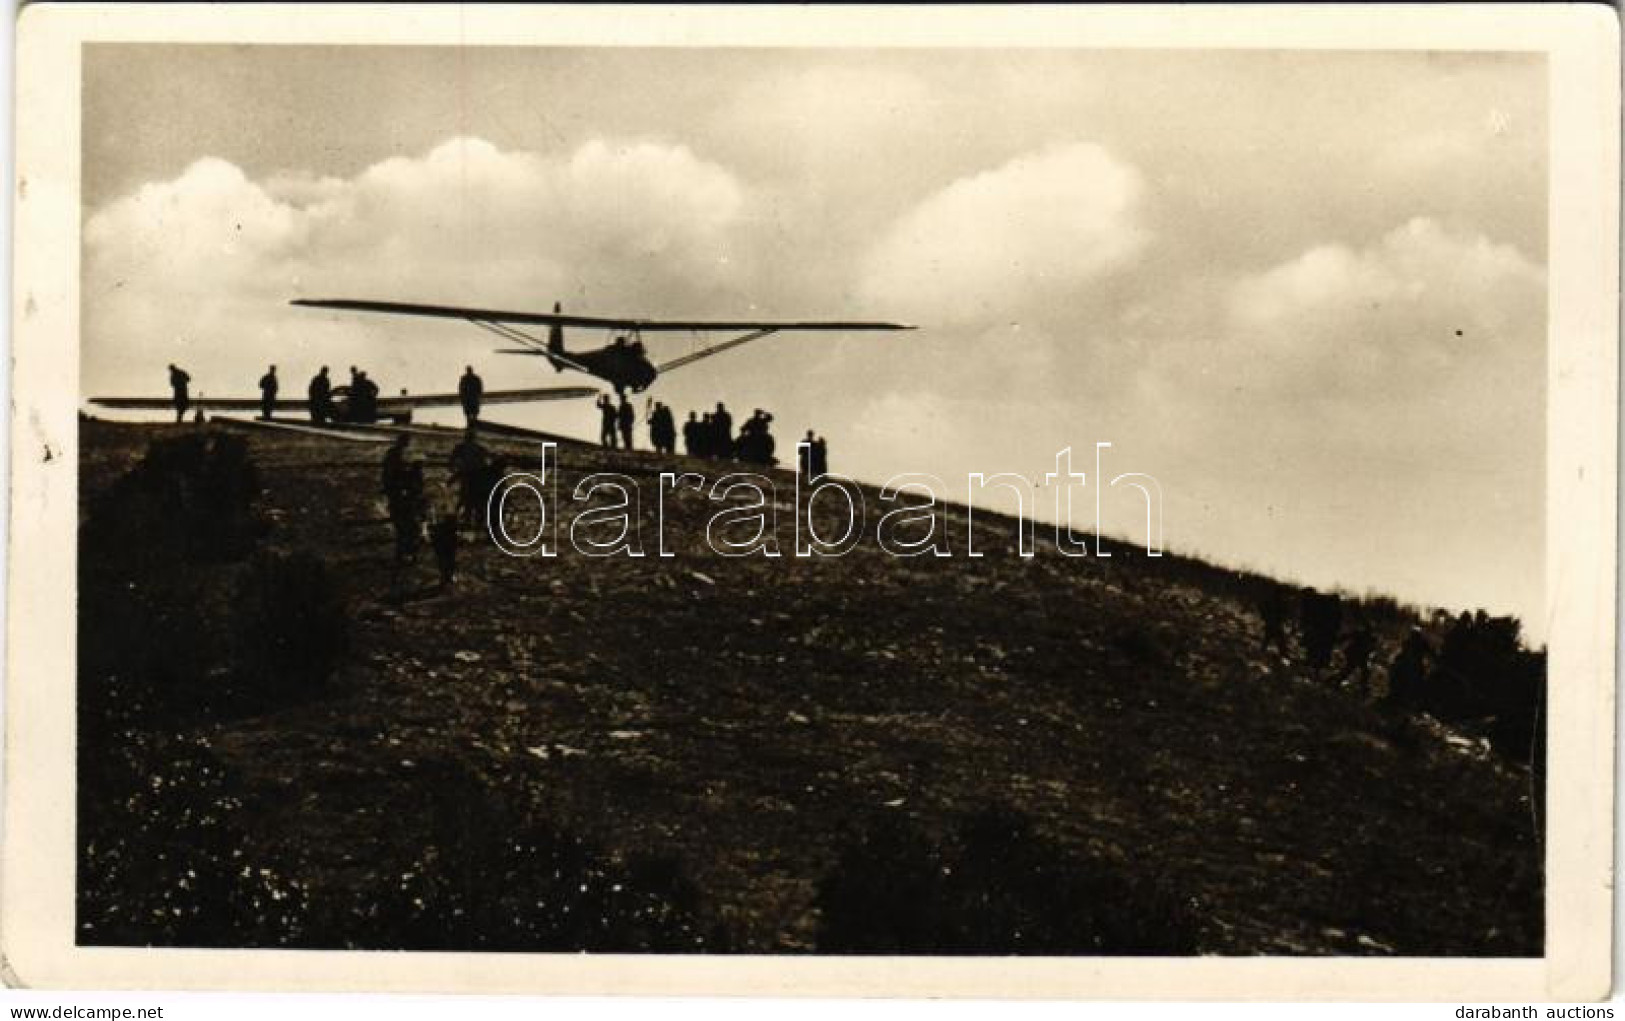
(1112, 754)
(816, 502)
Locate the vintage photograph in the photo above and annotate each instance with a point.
(1018, 502)
(812, 501)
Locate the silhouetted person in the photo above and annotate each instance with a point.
(1320, 619)
(555, 339)
(487, 480)
(1274, 611)
(606, 421)
(395, 468)
(692, 440)
(820, 458)
(1357, 654)
(1408, 673)
(804, 455)
(662, 429)
(353, 399)
(443, 522)
(707, 433)
(668, 428)
(628, 419)
(406, 511)
(443, 540)
(470, 389)
(320, 393)
(179, 382)
(468, 461)
(756, 443)
(364, 399)
(722, 432)
(268, 389)
(409, 507)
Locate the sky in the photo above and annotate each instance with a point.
(1305, 291)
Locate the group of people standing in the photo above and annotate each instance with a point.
(360, 397)
(710, 435)
(415, 514)
(616, 422)
(813, 456)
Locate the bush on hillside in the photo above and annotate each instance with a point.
(996, 886)
(496, 875)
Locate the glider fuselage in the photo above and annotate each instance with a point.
(622, 364)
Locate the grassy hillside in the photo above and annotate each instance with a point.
(866, 753)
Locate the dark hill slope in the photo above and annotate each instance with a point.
(730, 732)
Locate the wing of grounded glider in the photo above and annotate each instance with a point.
(386, 404)
(205, 403)
(554, 393)
(598, 322)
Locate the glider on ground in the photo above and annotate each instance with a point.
(343, 407)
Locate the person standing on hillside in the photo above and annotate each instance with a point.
(468, 460)
(320, 392)
(693, 441)
(662, 429)
(606, 422)
(407, 507)
(1357, 656)
(820, 458)
(1408, 673)
(268, 388)
(1320, 619)
(470, 389)
(179, 381)
(364, 399)
(395, 467)
(445, 512)
(722, 428)
(1273, 609)
(628, 419)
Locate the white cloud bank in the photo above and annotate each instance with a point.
(998, 246)
(190, 268)
(1360, 411)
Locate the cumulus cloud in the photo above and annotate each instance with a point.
(1025, 238)
(1420, 326)
(1381, 405)
(1421, 300)
(190, 266)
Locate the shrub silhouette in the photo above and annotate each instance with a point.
(293, 625)
(175, 627)
(495, 875)
(190, 498)
(1481, 675)
(996, 887)
(162, 858)
(1321, 618)
(885, 894)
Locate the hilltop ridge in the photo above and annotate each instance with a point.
(750, 745)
